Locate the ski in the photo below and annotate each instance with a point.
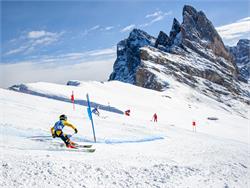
(83, 145)
(87, 150)
(60, 143)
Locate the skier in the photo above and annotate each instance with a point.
(96, 111)
(56, 131)
(155, 117)
(127, 112)
(194, 126)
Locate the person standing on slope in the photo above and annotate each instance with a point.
(127, 112)
(96, 111)
(56, 130)
(155, 117)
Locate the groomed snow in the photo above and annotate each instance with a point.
(130, 151)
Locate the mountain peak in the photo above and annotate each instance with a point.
(197, 30)
(197, 26)
(192, 52)
(243, 42)
(162, 40)
(138, 33)
(128, 55)
(176, 28)
(187, 9)
(176, 24)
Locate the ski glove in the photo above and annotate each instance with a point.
(53, 135)
(76, 130)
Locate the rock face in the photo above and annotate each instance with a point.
(162, 40)
(128, 55)
(197, 29)
(241, 54)
(176, 28)
(193, 53)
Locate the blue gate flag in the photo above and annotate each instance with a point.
(89, 113)
(90, 116)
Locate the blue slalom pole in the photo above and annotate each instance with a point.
(90, 116)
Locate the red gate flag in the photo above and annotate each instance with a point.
(72, 97)
(73, 100)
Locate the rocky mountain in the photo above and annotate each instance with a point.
(193, 53)
(128, 55)
(241, 54)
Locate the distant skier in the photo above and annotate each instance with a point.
(56, 131)
(194, 126)
(96, 111)
(127, 112)
(155, 117)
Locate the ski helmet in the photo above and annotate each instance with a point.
(63, 117)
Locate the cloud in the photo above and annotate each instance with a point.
(88, 65)
(87, 31)
(74, 58)
(29, 72)
(28, 42)
(127, 28)
(231, 33)
(108, 28)
(39, 34)
(94, 28)
(107, 51)
(155, 14)
(155, 17)
(16, 50)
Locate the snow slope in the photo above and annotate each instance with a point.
(130, 151)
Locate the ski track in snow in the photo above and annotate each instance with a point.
(130, 151)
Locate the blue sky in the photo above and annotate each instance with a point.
(57, 33)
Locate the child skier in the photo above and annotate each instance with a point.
(56, 131)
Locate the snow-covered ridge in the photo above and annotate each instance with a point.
(62, 93)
